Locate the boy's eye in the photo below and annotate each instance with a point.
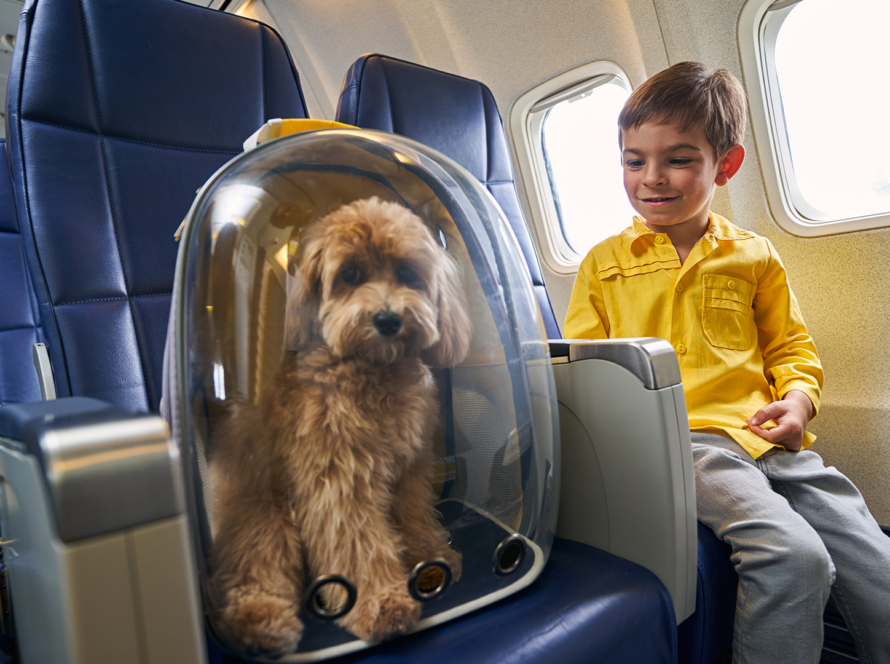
(633, 163)
(351, 275)
(408, 277)
(680, 161)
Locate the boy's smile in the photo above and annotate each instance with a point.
(670, 176)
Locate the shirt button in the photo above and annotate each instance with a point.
(659, 239)
(680, 288)
(730, 284)
(681, 349)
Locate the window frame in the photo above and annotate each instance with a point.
(759, 24)
(527, 117)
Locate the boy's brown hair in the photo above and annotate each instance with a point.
(687, 94)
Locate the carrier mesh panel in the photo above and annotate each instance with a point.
(486, 442)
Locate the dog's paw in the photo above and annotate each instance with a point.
(259, 621)
(386, 614)
(453, 558)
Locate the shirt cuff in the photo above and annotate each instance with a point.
(804, 387)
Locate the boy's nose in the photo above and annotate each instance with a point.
(654, 176)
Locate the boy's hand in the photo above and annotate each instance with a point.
(791, 414)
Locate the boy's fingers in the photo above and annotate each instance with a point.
(774, 435)
(768, 412)
(769, 435)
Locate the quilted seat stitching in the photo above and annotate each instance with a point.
(20, 328)
(111, 207)
(111, 299)
(133, 140)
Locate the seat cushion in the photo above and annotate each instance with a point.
(456, 116)
(587, 606)
(118, 112)
(19, 326)
(707, 633)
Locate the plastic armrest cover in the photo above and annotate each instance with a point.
(627, 480)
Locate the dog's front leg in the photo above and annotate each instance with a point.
(413, 511)
(355, 538)
(258, 572)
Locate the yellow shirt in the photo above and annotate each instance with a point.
(728, 311)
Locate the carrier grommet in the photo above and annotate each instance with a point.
(315, 603)
(429, 579)
(509, 555)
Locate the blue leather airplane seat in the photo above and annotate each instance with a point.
(118, 112)
(454, 115)
(19, 326)
(588, 605)
(707, 634)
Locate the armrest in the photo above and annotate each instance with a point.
(106, 469)
(651, 360)
(627, 483)
(95, 537)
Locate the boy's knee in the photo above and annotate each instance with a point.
(809, 563)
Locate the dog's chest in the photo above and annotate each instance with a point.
(388, 411)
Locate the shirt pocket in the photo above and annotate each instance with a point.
(727, 315)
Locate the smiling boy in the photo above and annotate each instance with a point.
(751, 375)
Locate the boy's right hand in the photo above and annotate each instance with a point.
(791, 416)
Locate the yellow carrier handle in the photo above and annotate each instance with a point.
(277, 128)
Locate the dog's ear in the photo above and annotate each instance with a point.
(455, 329)
(304, 292)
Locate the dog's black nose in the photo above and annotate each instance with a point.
(387, 322)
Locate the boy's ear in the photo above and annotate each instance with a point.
(730, 164)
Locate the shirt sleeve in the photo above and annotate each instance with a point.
(790, 360)
(586, 317)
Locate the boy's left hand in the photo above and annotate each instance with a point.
(791, 415)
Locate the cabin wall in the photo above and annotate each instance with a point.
(513, 46)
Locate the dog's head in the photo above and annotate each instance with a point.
(373, 282)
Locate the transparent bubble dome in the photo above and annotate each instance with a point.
(363, 395)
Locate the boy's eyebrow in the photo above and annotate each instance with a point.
(684, 146)
(671, 148)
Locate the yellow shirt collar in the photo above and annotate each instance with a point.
(719, 228)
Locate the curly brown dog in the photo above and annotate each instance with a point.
(331, 473)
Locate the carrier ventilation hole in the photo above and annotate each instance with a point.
(509, 555)
(343, 596)
(429, 579)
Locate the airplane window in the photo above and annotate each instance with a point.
(817, 113)
(565, 132)
(580, 144)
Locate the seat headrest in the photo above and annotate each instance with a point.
(456, 116)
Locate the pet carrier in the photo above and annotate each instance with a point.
(358, 376)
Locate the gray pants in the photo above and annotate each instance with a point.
(798, 532)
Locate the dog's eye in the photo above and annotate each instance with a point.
(351, 275)
(408, 277)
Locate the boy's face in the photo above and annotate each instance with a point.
(670, 175)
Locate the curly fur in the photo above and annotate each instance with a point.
(331, 473)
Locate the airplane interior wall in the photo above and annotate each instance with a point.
(837, 279)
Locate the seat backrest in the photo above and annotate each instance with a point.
(454, 115)
(19, 326)
(118, 111)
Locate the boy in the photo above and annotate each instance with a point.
(751, 375)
